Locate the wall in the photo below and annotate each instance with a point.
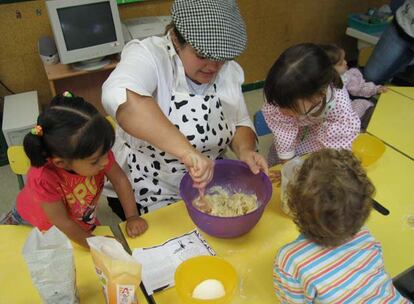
(272, 26)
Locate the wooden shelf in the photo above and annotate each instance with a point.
(87, 84)
(61, 71)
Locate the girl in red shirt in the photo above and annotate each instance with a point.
(70, 155)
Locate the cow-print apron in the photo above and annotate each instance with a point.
(156, 174)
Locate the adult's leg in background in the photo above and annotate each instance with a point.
(391, 55)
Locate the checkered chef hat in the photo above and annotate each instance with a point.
(214, 28)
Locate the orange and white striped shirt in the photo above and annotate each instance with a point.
(305, 272)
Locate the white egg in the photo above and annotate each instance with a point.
(208, 290)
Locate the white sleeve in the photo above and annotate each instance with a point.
(232, 95)
(243, 118)
(136, 72)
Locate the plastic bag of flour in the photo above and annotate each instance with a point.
(119, 272)
(49, 256)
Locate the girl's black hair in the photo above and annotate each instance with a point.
(301, 72)
(72, 129)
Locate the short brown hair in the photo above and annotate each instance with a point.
(333, 51)
(331, 197)
(171, 27)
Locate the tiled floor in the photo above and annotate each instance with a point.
(9, 186)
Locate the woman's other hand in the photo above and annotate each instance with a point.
(200, 167)
(275, 176)
(135, 226)
(255, 161)
(244, 146)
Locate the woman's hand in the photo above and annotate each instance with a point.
(255, 161)
(200, 167)
(135, 226)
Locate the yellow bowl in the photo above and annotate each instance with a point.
(193, 271)
(367, 148)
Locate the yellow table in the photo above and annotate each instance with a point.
(393, 122)
(15, 281)
(405, 91)
(252, 254)
(393, 177)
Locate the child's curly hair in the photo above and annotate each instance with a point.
(331, 197)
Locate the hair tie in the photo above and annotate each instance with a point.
(67, 94)
(37, 130)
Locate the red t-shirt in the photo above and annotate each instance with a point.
(49, 184)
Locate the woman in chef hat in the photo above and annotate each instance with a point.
(178, 102)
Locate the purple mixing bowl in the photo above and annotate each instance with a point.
(233, 176)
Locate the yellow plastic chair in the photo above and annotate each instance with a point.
(111, 120)
(19, 162)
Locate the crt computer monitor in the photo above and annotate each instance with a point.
(85, 31)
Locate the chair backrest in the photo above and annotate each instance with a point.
(19, 162)
(111, 120)
(260, 124)
(364, 55)
(404, 282)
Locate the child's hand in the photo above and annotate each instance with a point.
(275, 176)
(382, 89)
(135, 226)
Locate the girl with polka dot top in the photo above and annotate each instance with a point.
(306, 107)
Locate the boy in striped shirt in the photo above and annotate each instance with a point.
(335, 259)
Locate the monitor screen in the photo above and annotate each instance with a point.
(85, 30)
(87, 25)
